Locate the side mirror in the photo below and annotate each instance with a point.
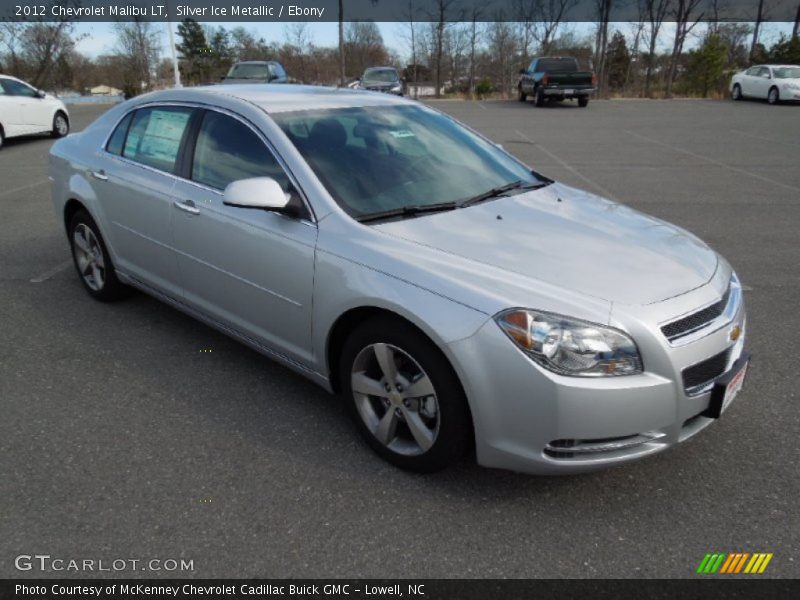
(257, 192)
(40, 94)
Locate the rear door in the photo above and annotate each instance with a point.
(250, 269)
(134, 183)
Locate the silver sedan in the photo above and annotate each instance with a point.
(456, 299)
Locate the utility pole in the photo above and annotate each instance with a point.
(175, 70)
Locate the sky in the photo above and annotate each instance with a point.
(99, 38)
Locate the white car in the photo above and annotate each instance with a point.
(775, 83)
(24, 110)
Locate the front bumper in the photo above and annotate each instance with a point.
(530, 420)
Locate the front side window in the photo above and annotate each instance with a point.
(155, 136)
(228, 150)
(763, 72)
(17, 88)
(752, 71)
(385, 158)
(2, 89)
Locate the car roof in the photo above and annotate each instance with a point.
(276, 98)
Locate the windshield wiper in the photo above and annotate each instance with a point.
(407, 211)
(499, 191)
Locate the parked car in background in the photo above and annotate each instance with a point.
(24, 110)
(555, 78)
(382, 79)
(773, 83)
(454, 297)
(256, 71)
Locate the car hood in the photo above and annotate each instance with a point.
(572, 240)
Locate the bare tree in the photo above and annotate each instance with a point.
(549, 16)
(656, 11)
(601, 42)
(441, 14)
(796, 28)
(342, 66)
(411, 38)
(525, 13)
(638, 32)
(139, 49)
(683, 26)
(757, 27)
(474, 31)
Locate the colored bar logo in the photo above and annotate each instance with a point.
(734, 563)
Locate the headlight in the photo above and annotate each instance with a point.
(569, 346)
(792, 86)
(397, 88)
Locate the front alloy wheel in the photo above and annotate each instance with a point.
(395, 399)
(773, 96)
(60, 125)
(403, 396)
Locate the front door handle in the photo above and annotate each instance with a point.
(101, 175)
(187, 207)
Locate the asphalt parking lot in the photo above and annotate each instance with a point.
(132, 431)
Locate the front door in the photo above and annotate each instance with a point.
(250, 269)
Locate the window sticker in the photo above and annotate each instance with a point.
(402, 133)
(162, 138)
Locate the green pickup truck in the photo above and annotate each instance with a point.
(555, 78)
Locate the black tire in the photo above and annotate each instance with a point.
(454, 437)
(773, 96)
(736, 92)
(111, 288)
(60, 125)
(583, 101)
(540, 97)
(2, 138)
(522, 95)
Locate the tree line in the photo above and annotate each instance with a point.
(471, 56)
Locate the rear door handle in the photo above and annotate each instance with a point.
(101, 175)
(187, 207)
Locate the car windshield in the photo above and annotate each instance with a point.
(385, 158)
(787, 73)
(382, 75)
(249, 72)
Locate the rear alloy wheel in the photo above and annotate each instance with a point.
(736, 92)
(60, 125)
(774, 96)
(583, 101)
(92, 260)
(2, 138)
(404, 397)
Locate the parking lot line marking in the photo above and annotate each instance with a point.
(713, 161)
(50, 272)
(481, 105)
(567, 166)
(23, 188)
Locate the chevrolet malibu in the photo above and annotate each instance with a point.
(456, 299)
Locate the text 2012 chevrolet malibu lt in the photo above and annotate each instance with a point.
(452, 296)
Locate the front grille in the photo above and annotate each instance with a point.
(697, 376)
(686, 325)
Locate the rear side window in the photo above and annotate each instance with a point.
(117, 140)
(2, 89)
(228, 150)
(277, 70)
(155, 136)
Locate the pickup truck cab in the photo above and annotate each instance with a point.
(555, 78)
